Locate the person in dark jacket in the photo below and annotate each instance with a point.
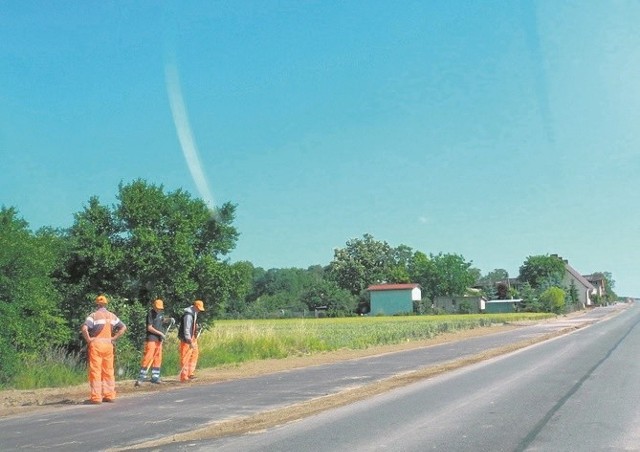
(152, 357)
(188, 335)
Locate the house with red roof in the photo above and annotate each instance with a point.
(390, 299)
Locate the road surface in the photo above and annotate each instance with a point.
(578, 392)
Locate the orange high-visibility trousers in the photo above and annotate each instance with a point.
(152, 354)
(101, 376)
(188, 359)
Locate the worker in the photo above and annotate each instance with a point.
(152, 357)
(188, 335)
(100, 330)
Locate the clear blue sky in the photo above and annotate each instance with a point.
(496, 130)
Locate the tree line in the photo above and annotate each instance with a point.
(157, 244)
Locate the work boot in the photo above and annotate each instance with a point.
(156, 381)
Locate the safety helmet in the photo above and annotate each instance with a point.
(101, 299)
(199, 305)
(158, 304)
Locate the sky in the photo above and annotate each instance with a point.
(490, 129)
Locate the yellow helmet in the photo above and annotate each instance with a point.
(158, 304)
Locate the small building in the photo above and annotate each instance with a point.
(390, 299)
(458, 304)
(500, 306)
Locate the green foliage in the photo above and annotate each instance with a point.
(152, 244)
(441, 274)
(338, 302)
(28, 298)
(610, 284)
(542, 272)
(50, 368)
(573, 293)
(465, 308)
(364, 262)
(494, 284)
(530, 302)
(553, 300)
(10, 360)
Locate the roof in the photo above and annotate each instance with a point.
(577, 276)
(393, 286)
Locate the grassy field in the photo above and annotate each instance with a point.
(237, 341)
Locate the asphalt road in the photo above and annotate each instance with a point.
(452, 409)
(578, 392)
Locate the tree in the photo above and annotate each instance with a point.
(92, 262)
(441, 274)
(152, 244)
(324, 293)
(542, 271)
(282, 289)
(361, 263)
(530, 301)
(495, 284)
(28, 298)
(239, 282)
(610, 284)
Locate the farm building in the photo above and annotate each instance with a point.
(390, 299)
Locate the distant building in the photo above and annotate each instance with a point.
(456, 304)
(598, 281)
(584, 288)
(390, 299)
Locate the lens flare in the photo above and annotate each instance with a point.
(185, 135)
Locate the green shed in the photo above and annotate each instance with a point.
(390, 299)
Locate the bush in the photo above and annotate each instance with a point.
(553, 300)
(10, 362)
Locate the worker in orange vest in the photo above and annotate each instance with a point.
(188, 335)
(100, 330)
